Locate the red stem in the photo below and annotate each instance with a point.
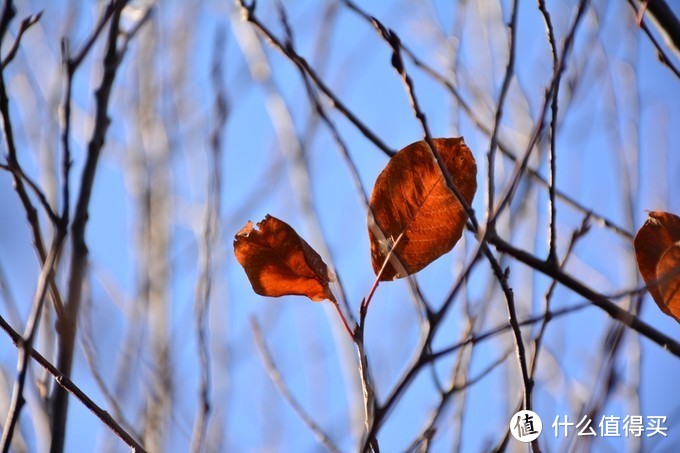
(342, 317)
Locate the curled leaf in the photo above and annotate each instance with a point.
(414, 212)
(658, 256)
(278, 262)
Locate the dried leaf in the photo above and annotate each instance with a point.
(279, 262)
(655, 251)
(412, 204)
(668, 274)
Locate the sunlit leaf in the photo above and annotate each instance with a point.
(668, 275)
(658, 256)
(279, 262)
(413, 207)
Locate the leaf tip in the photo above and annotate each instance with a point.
(245, 231)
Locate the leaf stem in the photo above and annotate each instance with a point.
(342, 317)
(364, 304)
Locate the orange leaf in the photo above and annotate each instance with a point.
(279, 262)
(658, 258)
(413, 207)
(668, 274)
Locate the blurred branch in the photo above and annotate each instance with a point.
(67, 324)
(87, 343)
(8, 298)
(282, 120)
(424, 358)
(538, 340)
(18, 173)
(277, 380)
(210, 234)
(393, 40)
(504, 147)
(521, 165)
(639, 13)
(505, 87)
(25, 342)
(248, 13)
(474, 339)
(19, 176)
(48, 264)
(596, 298)
(64, 382)
(422, 443)
(665, 20)
(25, 25)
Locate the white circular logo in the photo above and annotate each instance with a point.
(526, 426)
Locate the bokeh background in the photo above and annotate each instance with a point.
(203, 101)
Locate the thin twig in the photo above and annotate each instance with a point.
(552, 207)
(521, 165)
(503, 328)
(596, 298)
(505, 88)
(538, 341)
(505, 148)
(25, 343)
(344, 152)
(19, 176)
(552, 191)
(212, 215)
(90, 354)
(428, 432)
(114, 6)
(282, 387)
(18, 173)
(502, 277)
(425, 359)
(48, 264)
(663, 57)
(392, 39)
(667, 22)
(25, 25)
(363, 310)
(68, 385)
(249, 15)
(67, 325)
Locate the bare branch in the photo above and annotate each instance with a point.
(277, 379)
(663, 57)
(64, 382)
(25, 25)
(204, 283)
(67, 324)
(248, 14)
(668, 24)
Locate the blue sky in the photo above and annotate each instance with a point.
(259, 178)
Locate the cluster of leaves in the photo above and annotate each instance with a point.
(414, 219)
